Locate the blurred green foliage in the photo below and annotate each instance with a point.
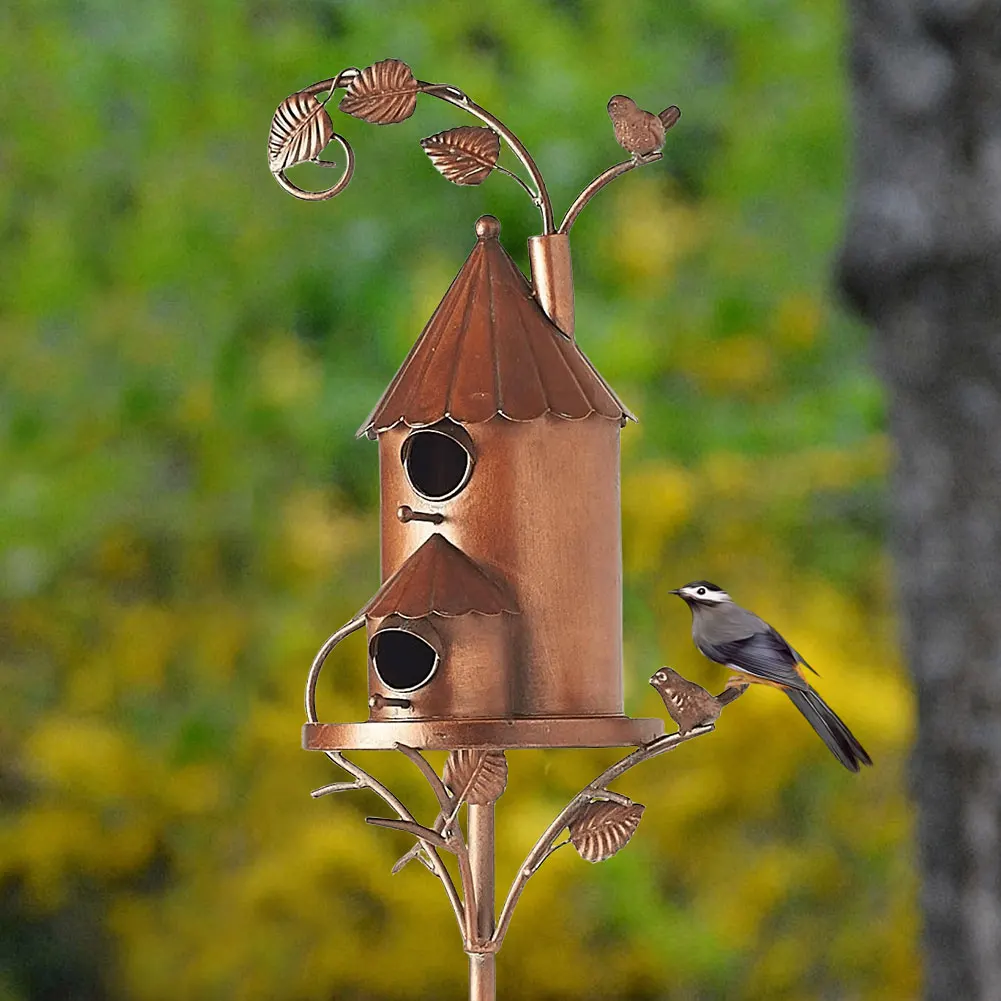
(185, 354)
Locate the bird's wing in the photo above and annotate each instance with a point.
(764, 655)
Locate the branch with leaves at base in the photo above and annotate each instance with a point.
(385, 93)
(363, 780)
(598, 820)
(469, 777)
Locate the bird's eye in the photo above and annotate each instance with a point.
(701, 590)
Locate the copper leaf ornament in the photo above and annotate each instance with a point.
(300, 130)
(601, 829)
(464, 155)
(383, 93)
(476, 776)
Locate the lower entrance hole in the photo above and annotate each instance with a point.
(402, 660)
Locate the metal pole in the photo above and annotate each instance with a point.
(482, 965)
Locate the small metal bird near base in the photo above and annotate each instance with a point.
(689, 704)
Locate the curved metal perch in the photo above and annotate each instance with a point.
(314, 670)
(599, 182)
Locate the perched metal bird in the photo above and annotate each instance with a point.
(637, 131)
(689, 704)
(731, 635)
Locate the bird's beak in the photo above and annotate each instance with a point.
(676, 591)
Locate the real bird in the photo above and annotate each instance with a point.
(637, 131)
(728, 634)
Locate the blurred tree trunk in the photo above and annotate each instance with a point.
(922, 263)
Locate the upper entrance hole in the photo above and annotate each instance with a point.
(438, 460)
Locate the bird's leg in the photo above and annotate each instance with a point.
(735, 687)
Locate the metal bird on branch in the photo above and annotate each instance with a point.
(689, 704)
(730, 635)
(640, 132)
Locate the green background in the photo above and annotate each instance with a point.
(185, 354)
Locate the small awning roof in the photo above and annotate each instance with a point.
(439, 578)
(489, 350)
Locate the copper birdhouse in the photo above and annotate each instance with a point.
(500, 617)
(498, 622)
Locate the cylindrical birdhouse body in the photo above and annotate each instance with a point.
(540, 508)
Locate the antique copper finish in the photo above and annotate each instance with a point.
(489, 350)
(552, 278)
(541, 512)
(499, 618)
(482, 965)
(505, 733)
(440, 579)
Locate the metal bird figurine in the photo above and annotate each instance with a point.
(728, 634)
(689, 704)
(637, 131)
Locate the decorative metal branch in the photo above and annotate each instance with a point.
(476, 778)
(386, 93)
(599, 182)
(430, 840)
(599, 820)
(579, 816)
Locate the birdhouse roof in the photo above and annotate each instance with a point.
(489, 350)
(441, 579)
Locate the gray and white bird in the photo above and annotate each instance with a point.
(728, 634)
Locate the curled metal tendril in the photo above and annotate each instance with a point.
(321, 196)
(342, 80)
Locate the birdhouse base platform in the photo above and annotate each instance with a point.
(502, 734)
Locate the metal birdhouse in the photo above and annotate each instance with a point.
(498, 624)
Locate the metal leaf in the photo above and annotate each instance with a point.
(465, 155)
(300, 130)
(601, 829)
(383, 93)
(476, 777)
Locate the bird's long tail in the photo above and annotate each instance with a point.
(832, 730)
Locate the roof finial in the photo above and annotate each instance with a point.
(488, 227)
